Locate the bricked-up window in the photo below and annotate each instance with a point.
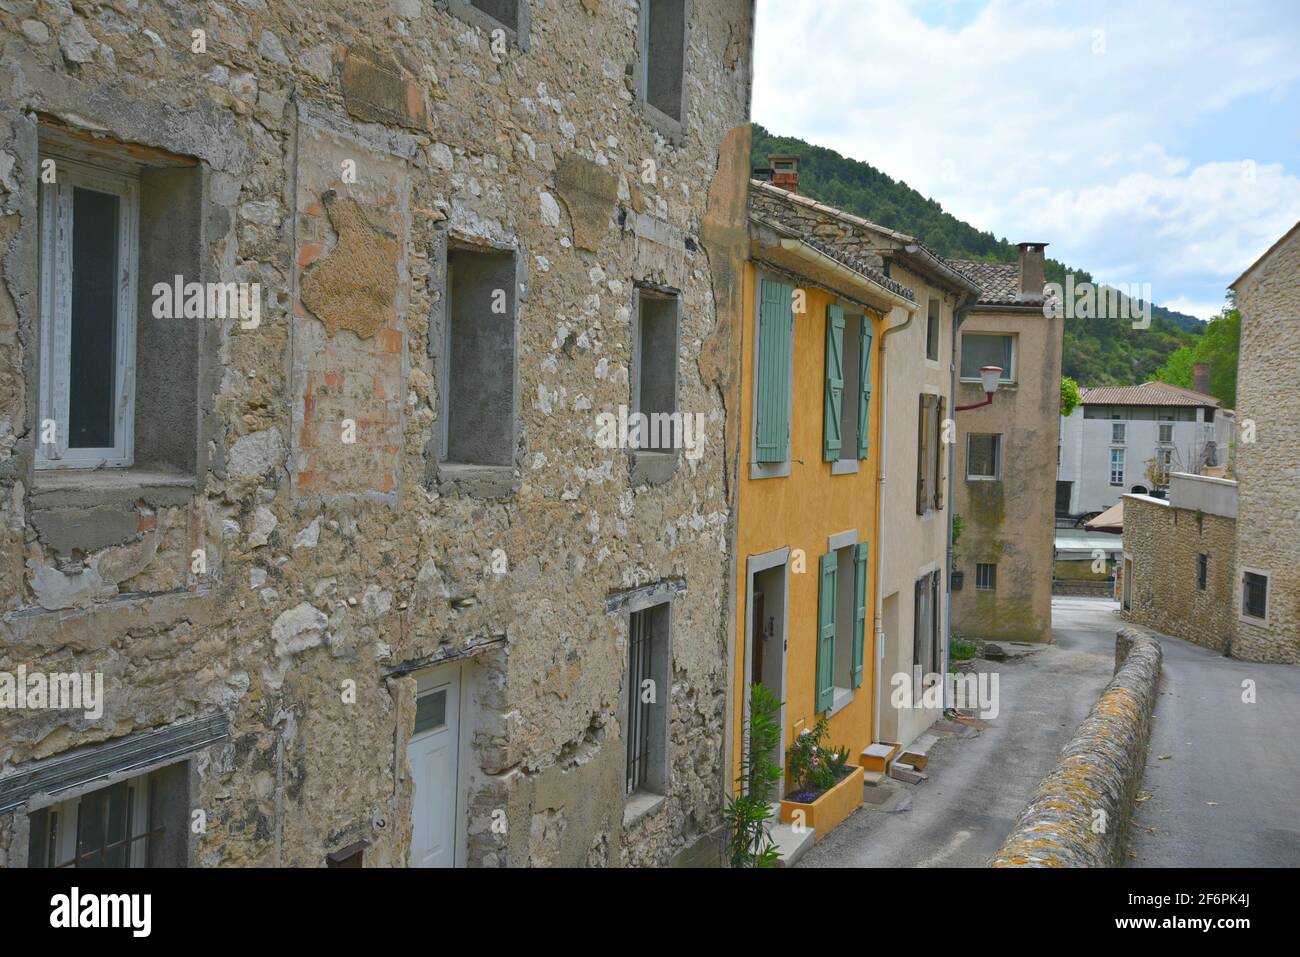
(479, 371)
(139, 822)
(983, 456)
(932, 330)
(986, 576)
(646, 727)
(489, 15)
(654, 369)
(663, 56)
(1254, 595)
(1202, 570)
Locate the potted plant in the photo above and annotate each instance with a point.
(748, 811)
(825, 788)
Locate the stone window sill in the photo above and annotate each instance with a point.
(56, 488)
(840, 700)
(476, 481)
(651, 468)
(640, 805)
(844, 467)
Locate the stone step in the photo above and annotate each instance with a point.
(901, 771)
(792, 845)
(876, 757)
(917, 753)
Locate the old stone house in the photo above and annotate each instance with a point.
(314, 322)
(1006, 452)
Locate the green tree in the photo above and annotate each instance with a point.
(747, 811)
(1218, 347)
(1069, 395)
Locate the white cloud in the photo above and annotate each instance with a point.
(1016, 125)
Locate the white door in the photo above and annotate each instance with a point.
(432, 754)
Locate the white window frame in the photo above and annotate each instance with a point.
(56, 313)
(997, 459)
(64, 845)
(1241, 596)
(1008, 375)
(1120, 428)
(1160, 432)
(1123, 466)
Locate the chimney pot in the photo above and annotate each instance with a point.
(1033, 270)
(785, 170)
(1201, 378)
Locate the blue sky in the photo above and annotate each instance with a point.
(1154, 142)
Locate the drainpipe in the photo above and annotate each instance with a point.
(880, 511)
(959, 312)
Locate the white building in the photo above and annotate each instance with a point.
(1109, 441)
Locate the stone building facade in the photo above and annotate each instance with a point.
(1268, 455)
(375, 505)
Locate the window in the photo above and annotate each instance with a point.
(983, 456)
(841, 624)
(489, 15)
(88, 276)
(986, 576)
(774, 368)
(987, 350)
(1166, 433)
(929, 459)
(932, 331)
(654, 371)
(1202, 570)
(663, 61)
(925, 625)
(1118, 432)
(847, 389)
(1116, 466)
(648, 687)
(479, 359)
(1165, 459)
(139, 822)
(1254, 595)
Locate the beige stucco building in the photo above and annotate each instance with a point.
(1006, 453)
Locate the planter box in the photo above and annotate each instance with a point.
(825, 814)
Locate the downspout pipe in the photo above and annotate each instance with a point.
(881, 458)
(959, 313)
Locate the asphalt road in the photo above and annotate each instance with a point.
(976, 786)
(1223, 775)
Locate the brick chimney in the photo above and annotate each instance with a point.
(1201, 378)
(785, 171)
(1033, 271)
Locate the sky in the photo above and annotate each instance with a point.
(1152, 142)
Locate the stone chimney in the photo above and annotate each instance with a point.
(1201, 378)
(1033, 271)
(785, 171)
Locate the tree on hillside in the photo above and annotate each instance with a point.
(1217, 346)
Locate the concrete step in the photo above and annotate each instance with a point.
(876, 757)
(871, 779)
(791, 844)
(901, 771)
(917, 753)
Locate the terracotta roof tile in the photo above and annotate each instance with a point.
(1148, 393)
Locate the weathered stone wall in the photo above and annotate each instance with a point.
(1268, 468)
(296, 580)
(1163, 543)
(1079, 814)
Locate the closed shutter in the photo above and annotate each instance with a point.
(940, 447)
(918, 627)
(833, 406)
(826, 632)
(923, 455)
(775, 324)
(864, 379)
(936, 612)
(859, 609)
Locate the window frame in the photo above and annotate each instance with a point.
(1160, 432)
(1120, 428)
(62, 851)
(54, 388)
(1008, 376)
(1242, 613)
(1123, 466)
(674, 130)
(933, 323)
(643, 291)
(518, 34)
(997, 458)
(979, 566)
(1202, 571)
(652, 789)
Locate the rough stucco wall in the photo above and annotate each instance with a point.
(1011, 522)
(1268, 517)
(330, 562)
(1163, 543)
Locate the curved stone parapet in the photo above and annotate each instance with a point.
(1079, 814)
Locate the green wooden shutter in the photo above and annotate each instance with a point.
(775, 326)
(832, 417)
(826, 633)
(864, 380)
(859, 608)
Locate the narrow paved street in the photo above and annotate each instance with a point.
(976, 786)
(1223, 775)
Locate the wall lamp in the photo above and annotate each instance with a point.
(989, 376)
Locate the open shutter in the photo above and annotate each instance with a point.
(775, 324)
(864, 380)
(922, 455)
(918, 627)
(940, 447)
(859, 608)
(833, 407)
(826, 632)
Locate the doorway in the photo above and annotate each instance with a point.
(766, 635)
(434, 757)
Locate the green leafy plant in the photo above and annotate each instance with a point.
(748, 810)
(960, 650)
(1070, 397)
(958, 526)
(815, 768)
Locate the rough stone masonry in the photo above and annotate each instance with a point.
(293, 546)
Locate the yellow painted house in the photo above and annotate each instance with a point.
(807, 515)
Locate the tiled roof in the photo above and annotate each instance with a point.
(999, 282)
(801, 200)
(1148, 393)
